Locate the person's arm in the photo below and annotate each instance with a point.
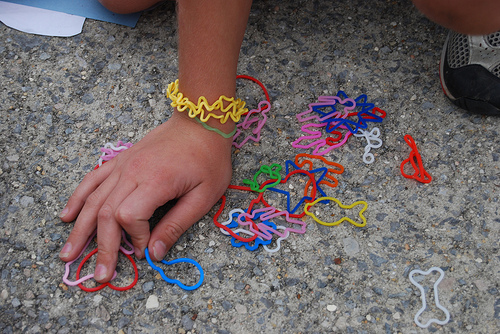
(471, 17)
(178, 160)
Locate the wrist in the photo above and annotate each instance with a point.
(215, 114)
(200, 130)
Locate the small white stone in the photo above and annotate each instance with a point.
(351, 246)
(26, 201)
(368, 317)
(211, 243)
(4, 295)
(131, 134)
(479, 260)
(97, 299)
(13, 158)
(331, 308)
(397, 316)
(152, 302)
(241, 309)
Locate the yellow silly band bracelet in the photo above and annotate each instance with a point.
(365, 206)
(234, 108)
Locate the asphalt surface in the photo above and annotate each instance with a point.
(64, 98)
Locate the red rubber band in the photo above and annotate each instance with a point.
(97, 288)
(227, 229)
(242, 76)
(415, 159)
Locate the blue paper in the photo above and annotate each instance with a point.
(91, 9)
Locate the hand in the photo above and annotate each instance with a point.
(177, 160)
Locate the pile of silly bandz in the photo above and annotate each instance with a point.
(327, 125)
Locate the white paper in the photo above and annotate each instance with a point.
(40, 21)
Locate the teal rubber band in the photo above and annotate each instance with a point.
(208, 127)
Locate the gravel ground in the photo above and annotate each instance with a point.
(64, 98)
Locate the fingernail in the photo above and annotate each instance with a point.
(65, 250)
(139, 253)
(100, 272)
(63, 212)
(159, 250)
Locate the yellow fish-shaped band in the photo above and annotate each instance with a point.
(365, 206)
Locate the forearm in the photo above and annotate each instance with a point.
(210, 36)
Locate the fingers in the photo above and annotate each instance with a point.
(136, 210)
(187, 211)
(87, 219)
(110, 224)
(90, 183)
(108, 242)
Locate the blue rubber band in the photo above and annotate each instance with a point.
(258, 241)
(288, 200)
(322, 170)
(174, 281)
(352, 126)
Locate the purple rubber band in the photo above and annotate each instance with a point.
(265, 231)
(263, 109)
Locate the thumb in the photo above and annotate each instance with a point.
(183, 215)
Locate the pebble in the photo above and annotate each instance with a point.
(26, 201)
(257, 271)
(241, 309)
(187, 322)
(149, 90)
(239, 286)
(481, 285)
(351, 246)
(226, 305)
(4, 294)
(13, 158)
(114, 66)
(102, 313)
(152, 302)
(148, 286)
(62, 320)
(377, 260)
(397, 316)
(427, 105)
(16, 302)
(124, 321)
(44, 56)
(331, 308)
(88, 98)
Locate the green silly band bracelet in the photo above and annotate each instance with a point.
(208, 127)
